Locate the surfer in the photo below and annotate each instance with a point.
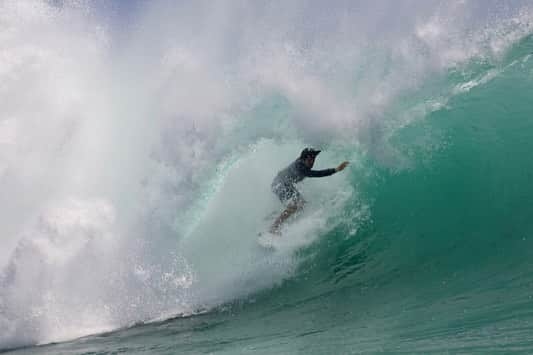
(283, 184)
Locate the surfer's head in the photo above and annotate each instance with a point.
(308, 156)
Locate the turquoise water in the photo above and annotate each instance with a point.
(424, 245)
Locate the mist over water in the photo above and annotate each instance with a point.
(138, 142)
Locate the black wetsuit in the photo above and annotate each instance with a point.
(283, 184)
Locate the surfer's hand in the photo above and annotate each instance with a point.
(341, 167)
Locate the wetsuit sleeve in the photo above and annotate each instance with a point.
(319, 173)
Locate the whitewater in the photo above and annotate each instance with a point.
(138, 142)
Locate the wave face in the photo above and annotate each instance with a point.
(138, 143)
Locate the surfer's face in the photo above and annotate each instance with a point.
(309, 161)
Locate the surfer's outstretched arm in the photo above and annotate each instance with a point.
(320, 173)
(325, 172)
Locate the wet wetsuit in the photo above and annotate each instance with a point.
(283, 184)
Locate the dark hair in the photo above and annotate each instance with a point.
(309, 152)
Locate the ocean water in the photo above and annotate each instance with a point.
(138, 141)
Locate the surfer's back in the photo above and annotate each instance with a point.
(292, 174)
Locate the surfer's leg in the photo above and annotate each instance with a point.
(289, 211)
(296, 204)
